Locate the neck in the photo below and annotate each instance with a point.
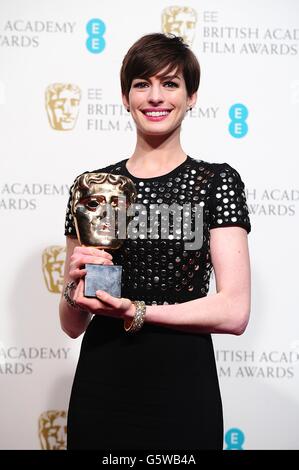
(155, 153)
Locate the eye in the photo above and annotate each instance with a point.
(170, 84)
(118, 202)
(140, 85)
(58, 103)
(92, 204)
(114, 202)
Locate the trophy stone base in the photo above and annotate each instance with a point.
(101, 277)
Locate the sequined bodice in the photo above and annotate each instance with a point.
(157, 266)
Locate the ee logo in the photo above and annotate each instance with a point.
(238, 114)
(234, 439)
(95, 29)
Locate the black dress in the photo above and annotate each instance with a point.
(157, 389)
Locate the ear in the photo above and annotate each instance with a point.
(191, 101)
(125, 101)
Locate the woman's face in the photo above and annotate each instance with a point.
(158, 104)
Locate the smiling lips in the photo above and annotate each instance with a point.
(154, 114)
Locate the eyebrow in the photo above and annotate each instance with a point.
(168, 77)
(162, 77)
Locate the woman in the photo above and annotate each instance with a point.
(158, 388)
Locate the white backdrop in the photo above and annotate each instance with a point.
(248, 52)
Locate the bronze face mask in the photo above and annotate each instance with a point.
(99, 208)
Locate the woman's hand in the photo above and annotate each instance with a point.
(82, 255)
(104, 304)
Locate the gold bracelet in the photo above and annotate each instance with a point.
(138, 320)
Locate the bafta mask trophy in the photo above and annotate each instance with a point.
(99, 208)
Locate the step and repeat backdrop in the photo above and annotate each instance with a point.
(61, 114)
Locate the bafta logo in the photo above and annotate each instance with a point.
(53, 259)
(52, 430)
(62, 105)
(180, 21)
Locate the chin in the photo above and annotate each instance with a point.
(162, 131)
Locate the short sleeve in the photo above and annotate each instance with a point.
(69, 227)
(227, 202)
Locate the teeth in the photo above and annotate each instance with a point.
(157, 113)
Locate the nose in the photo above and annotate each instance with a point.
(67, 107)
(155, 96)
(182, 27)
(60, 442)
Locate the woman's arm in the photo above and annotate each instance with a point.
(73, 321)
(228, 310)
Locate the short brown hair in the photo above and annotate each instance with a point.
(155, 52)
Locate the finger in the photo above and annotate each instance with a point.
(108, 262)
(95, 260)
(121, 303)
(80, 298)
(89, 250)
(105, 254)
(77, 273)
(79, 292)
(87, 259)
(126, 303)
(108, 299)
(78, 270)
(92, 304)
